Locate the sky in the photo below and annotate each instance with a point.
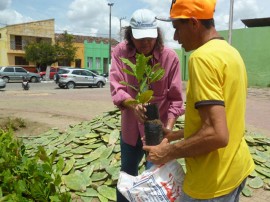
(91, 17)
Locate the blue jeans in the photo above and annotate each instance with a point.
(231, 197)
(131, 156)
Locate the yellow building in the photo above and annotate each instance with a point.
(13, 39)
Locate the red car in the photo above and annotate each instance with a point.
(53, 71)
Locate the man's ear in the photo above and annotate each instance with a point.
(195, 23)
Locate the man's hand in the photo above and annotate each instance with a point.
(159, 154)
(172, 135)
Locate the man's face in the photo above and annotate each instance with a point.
(144, 45)
(182, 33)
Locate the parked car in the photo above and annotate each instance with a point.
(72, 77)
(53, 71)
(16, 73)
(2, 83)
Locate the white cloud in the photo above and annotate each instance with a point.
(90, 16)
(9, 17)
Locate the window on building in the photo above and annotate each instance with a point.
(98, 63)
(105, 65)
(20, 61)
(90, 62)
(18, 42)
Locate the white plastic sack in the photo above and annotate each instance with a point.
(157, 184)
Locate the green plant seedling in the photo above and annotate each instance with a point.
(145, 75)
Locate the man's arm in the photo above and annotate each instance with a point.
(212, 135)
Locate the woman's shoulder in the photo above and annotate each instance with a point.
(169, 51)
(122, 49)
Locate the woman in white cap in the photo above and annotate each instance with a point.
(143, 36)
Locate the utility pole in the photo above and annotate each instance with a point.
(110, 4)
(122, 18)
(230, 22)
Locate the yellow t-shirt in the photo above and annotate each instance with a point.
(217, 76)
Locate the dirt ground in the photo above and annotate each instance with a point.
(43, 108)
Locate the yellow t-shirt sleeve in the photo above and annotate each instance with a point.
(206, 82)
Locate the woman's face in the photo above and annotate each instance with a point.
(144, 45)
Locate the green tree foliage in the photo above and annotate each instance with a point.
(42, 53)
(66, 51)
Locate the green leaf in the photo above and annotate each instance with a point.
(146, 96)
(69, 165)
(97, 176)
(89, 192)
(144, 85)
(107, 192)
(76, 181)
(114, 136)
(127, 84)
(128, 72)
(60, 164)
(247, 192)
(157, 75)
(130, 64)
(141, 66)
(256, 183)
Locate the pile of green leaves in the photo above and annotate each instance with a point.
(145, 74)
(28, 179)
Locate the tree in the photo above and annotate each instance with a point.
(66, 51)
(42, 53)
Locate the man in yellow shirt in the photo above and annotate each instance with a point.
(216, 154)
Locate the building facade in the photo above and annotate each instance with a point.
(92, 52)
(14, 38)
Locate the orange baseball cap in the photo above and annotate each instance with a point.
(200, 9)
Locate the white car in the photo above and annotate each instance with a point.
(72, 77)
(2, 83)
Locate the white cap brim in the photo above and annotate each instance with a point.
(144, 33)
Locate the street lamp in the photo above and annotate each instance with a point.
(230, 22)
(110, 4)
(122, 18)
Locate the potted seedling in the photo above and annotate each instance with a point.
(145, 75)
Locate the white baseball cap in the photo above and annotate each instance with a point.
(143, 24)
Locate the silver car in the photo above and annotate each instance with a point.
(2, 83)
(72, 77)
(15, 73)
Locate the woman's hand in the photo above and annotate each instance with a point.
(138, 109)
(139, 112)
